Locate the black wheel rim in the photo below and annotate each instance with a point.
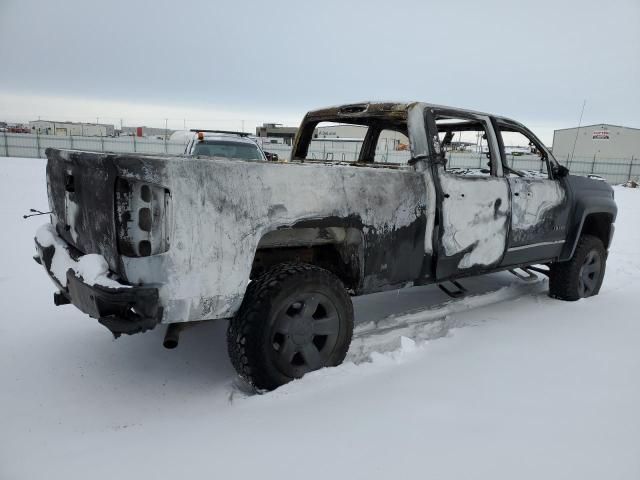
(304, 334)
(589, 274)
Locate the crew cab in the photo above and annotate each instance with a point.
(279, 249)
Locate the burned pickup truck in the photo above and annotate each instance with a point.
(279, 248)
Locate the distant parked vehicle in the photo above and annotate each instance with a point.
(272, 157)
(224, 144)
(16, 129)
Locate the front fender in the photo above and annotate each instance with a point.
(590, 197)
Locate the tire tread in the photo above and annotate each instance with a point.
(563, 277)
(245, 340)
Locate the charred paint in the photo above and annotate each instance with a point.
(536, 204)
(206, 271)
(475, 216)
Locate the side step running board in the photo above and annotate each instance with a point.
(529, 274)
(543, 271)
(460, 291)
(526, 274)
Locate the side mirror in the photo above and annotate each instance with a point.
(561, 171)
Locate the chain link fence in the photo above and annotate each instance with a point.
(613, 170)
(34, 145)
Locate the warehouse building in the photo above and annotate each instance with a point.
(601, 141)
(392, 140)
(331, 132)
(277, 132)
(146, 132)
(49, 127)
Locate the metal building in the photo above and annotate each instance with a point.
(147, 132)
(340, 131)
(598, 142)
(277, 131)
(48, 127)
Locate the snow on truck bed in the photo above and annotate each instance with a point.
(519, 387)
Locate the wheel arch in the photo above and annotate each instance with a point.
(338, 249)
(596, 221)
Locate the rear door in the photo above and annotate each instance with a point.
(472, 194)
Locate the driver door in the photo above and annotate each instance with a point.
(539, 201)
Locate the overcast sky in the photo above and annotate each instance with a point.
(219, 62)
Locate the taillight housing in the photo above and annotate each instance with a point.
(143, 218)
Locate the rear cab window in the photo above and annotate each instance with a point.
(371, 142)
(392, 147)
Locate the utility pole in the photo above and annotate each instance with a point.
(166, 121)
(575, 141)
(6, 149)
(38, 142)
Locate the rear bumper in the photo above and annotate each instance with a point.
(126, 309)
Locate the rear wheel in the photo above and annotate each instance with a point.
(581, 276)
(294, 319)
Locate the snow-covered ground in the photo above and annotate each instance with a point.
(515, 388)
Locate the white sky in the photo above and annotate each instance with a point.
(219, 63)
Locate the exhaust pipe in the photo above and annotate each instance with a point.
(60, 298)
(172, 337)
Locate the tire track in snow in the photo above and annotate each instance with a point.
(431, 322)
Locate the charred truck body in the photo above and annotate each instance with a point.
(279, 248)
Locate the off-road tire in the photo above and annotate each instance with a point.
(564, 277)
(250, 337)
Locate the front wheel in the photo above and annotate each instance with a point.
(295, 318)
(581, 276)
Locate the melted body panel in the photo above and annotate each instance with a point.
(475, 221)
(222, 208)
(536, 205)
